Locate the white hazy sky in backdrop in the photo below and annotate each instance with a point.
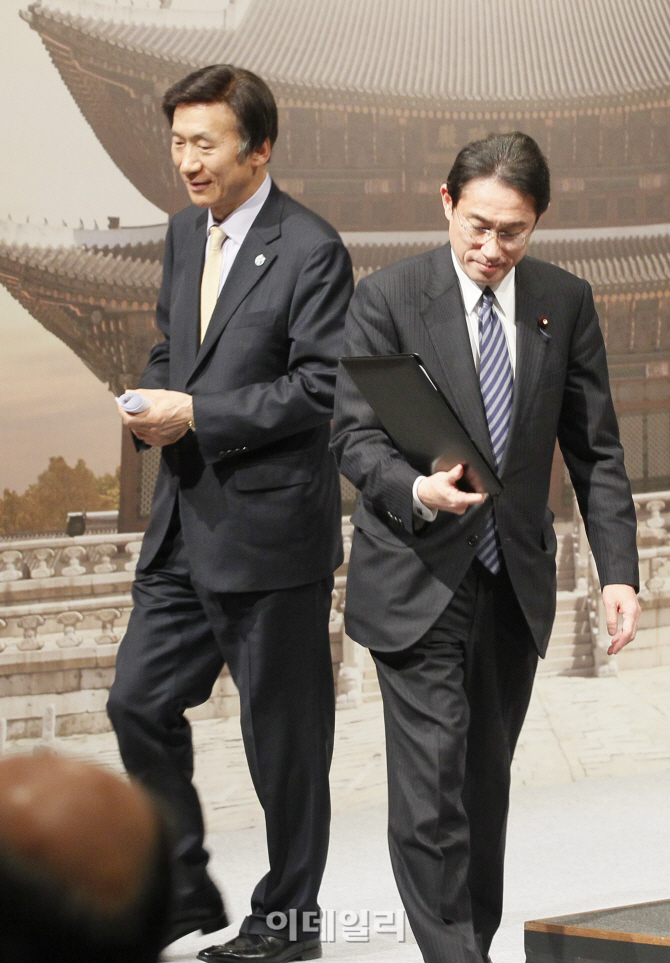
(51, 165)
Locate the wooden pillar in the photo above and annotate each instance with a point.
(129, 500)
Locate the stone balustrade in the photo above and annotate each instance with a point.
(65, 604)
(68, 592)
(64, 624)
(653, 512)
(64, 607)
(31, 568)
(652, 645)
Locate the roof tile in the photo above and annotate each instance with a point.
(491, 51)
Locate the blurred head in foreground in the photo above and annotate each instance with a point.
(84, 865)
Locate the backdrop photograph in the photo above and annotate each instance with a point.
(375, 99)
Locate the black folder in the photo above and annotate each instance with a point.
(419, 419)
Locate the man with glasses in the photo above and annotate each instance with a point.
(455, 595)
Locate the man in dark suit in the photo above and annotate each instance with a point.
(455, 595)
(237, 562)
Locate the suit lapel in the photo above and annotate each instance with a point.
(531, 346)
(444, 318)
(251, 264)
(184, 338)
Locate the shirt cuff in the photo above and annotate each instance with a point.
(418, 507)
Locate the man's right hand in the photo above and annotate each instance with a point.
(166, 421)
(439, 492)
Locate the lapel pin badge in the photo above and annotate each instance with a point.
(542, 325)
(260, 260)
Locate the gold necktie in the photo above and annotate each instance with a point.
(211, 275)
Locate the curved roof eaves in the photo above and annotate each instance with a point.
(442, 50)
(84, 265)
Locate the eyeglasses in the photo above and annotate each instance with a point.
(506, 240)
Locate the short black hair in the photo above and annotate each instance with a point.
(42, 919)
(515, 159)
(247, 95)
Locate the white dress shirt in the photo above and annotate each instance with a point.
(505, 305)
(236, 227)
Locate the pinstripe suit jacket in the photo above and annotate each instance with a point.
(400, 579)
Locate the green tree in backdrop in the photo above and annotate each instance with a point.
(60, 489)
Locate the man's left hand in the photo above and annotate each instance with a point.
(166, 421)
(621, 600)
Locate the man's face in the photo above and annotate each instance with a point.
(205, 151)
(488, 203)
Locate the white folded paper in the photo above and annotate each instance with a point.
(133, 402)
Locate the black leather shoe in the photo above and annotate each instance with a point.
(252, 947)
(207, 919)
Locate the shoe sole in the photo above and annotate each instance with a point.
(313, 954)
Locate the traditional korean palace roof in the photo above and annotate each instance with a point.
(97, 301)
(125, 264)
(613, 259)
(610, 258)
(96, 289)
(83, 260)
(463, 54)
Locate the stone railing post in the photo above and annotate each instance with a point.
(48, 726)
(108, 617)
(350, 675)
(11, 562)
(43, 556)
(69, 638)
(657, 579)
(133, 549)
(652, 530)
(73, 556)
(103, 553)
(30, 641)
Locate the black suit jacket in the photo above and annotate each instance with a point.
(400, 578)
(257, 487)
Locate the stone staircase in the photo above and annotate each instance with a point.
(570, 649)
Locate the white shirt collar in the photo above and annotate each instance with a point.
(472, 292)
(237, 224)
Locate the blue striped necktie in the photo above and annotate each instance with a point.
(496, 383)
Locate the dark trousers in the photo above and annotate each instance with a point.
(276, 646)
(454, 704)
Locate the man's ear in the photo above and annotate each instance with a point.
(262, 154)
(447, 203)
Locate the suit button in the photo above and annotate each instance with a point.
(472, 541)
